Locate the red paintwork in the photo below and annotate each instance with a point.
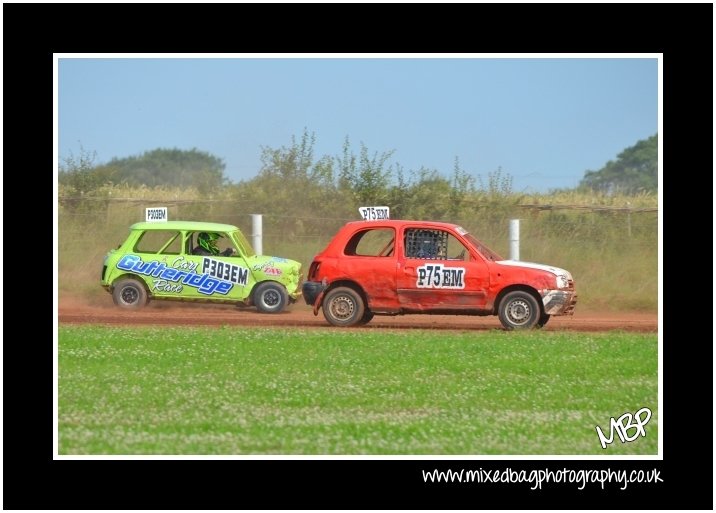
(390, 283)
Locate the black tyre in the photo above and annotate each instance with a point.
(519, 310)
(343, 306)
(130, 293)
(270, 297)
(367, 317)
(543, 320)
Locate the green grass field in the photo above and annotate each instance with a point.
(235, 391)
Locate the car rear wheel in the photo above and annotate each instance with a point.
(270, 297)
(343, 306)
(519, 310)
(130, 293)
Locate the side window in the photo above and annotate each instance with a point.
(378, 242)
(224, 244)
(433, 245)
(163, 242)
(456, 250)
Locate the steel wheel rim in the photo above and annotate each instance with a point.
(130, 295)
(271, 298)
(342, 307)
(518, 312)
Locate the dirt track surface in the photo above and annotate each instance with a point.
(79, 311)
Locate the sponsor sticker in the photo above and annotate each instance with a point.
(214, 280)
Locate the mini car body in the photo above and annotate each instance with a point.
(159, 261)
(394, 267)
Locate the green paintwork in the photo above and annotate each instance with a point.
(170, 271)
(197, 226)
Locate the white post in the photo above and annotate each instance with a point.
(514, 239)
(257, 235)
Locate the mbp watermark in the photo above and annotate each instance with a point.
(623, 424)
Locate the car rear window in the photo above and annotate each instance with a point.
(165, 242)
(377, 242)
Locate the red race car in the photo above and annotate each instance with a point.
(391, 267)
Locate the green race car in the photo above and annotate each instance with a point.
(196, 261)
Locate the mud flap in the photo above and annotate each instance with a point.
(318, 301)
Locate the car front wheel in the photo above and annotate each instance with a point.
(343, 306)
(519, 310)
(544, 318)
(129, 293)
(270, 297)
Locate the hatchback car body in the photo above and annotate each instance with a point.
(395, 267)
(166, 261)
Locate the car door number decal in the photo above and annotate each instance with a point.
(437, 276)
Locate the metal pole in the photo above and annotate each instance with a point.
(514, 239)
(257, 233)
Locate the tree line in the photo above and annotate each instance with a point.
(634, 170)
(295, 178)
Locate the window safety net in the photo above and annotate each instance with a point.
(428, 244)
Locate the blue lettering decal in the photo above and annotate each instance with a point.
(141, 267)
(152, 266)
(180, 275)
(209, 285)
(195, 280)
(127, 262)
(204, 283)
(224, 287)
(160, 269)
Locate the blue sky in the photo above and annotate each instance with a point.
(543, 121)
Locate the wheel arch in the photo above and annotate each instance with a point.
(252, 293)
(346, 283)
(512, 288)
(126, 276)
(272, 305)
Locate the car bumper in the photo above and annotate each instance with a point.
(559, 302)
(311, 290)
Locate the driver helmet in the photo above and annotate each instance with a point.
(207, 240)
